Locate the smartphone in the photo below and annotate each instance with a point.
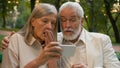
(68, 50)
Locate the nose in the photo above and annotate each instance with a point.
(49, 26)
(68, 24)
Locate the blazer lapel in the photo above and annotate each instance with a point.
(90, 54)
(90, 51)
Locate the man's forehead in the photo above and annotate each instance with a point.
(68, 13)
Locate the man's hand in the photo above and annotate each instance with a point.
(5, 41)
(79, 65)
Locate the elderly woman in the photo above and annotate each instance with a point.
(35, 44)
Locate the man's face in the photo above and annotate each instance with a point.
(71, 23)
(42, 24)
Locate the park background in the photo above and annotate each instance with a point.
(102, 16)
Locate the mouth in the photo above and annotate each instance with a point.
(68, 31)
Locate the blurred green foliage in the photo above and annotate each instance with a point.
(118, 55)
(1, 36)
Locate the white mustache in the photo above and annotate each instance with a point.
(68, 30)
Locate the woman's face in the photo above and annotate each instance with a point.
(40, 25)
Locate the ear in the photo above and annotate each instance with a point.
(82, 20)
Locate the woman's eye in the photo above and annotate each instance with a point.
(45, 21)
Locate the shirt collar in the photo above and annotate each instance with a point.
(33, 40)
(35, 43)
(81, 37)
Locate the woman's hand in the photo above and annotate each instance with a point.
(52, 51)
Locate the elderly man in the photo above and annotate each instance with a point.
(93, 50)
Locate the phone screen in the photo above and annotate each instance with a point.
(68, 50)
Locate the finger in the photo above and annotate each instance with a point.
(13, 32)
(48, 36)
(52, 36)
(5, 43)
(5, 39)
(51, 55)
(2, 48)
(46, 39)
(78, 66)
(54, 49)
(52, 44)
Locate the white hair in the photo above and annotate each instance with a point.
(73, 5)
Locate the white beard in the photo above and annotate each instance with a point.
(74, 35)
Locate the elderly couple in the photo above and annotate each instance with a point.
(36, 45)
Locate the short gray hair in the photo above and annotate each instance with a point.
(73, 5)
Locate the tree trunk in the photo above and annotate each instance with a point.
(4, 13)
(32, 2)
(91, 27)
(57, 5)
(113, 22)
(4, 21)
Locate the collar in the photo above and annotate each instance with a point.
(82, 37)
(33, 40)
(35, 43)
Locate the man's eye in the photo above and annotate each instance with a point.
(63, 20)
(73, 20)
